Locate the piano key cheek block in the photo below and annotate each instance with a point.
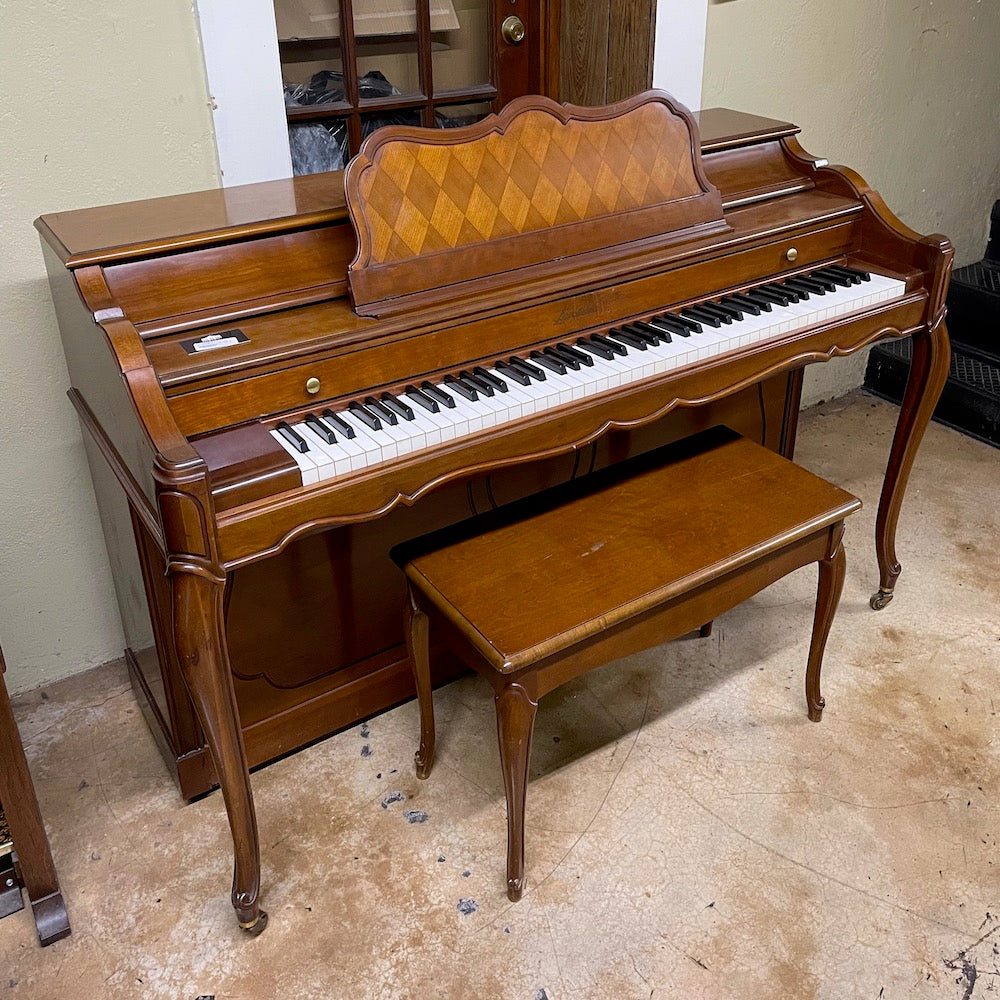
(279, 383)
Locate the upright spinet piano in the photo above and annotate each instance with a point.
(278, 382)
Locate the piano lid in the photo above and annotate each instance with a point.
(541, 185)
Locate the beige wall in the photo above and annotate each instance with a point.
(907, 92)
(102, 102)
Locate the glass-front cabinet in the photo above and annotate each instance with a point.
(351, 66)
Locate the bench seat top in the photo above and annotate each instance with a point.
(540, 575)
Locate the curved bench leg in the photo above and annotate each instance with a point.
(515, 722)
(832, 570)
(417, 640)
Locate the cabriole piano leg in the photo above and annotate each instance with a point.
(832, 571)
(515, 722)
(199, 635)
(417, 639)
(928, 373)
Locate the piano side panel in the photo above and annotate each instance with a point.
(96, 375)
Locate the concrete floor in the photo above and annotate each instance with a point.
(690, 833)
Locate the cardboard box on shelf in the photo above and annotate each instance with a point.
(321, 18)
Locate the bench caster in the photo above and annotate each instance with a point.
(256, 926)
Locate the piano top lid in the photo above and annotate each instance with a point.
(442, 214)
(173, 223)
(154, 226)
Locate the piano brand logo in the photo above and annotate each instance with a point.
(580, 306)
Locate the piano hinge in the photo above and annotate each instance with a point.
(109, 314)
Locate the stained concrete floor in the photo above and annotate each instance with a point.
(690, 833)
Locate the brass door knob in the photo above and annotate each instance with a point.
(791, 254)
(312, 385)
(512, 30)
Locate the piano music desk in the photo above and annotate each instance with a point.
(537, 593)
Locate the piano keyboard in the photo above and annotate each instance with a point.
(335, 442)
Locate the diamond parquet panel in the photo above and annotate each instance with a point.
(422, 197)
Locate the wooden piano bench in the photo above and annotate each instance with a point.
(536, 593)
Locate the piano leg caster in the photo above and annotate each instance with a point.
(254, 927)
(815, 709)
(706, 630)
(515, 888)
(880, 599)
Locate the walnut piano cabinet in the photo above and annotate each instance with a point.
(20, 807)
(260, 607)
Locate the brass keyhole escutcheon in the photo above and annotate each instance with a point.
(791, 255)
(312, 385)
(512, 30)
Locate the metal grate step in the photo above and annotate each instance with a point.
(970, 402)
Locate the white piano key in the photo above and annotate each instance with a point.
(307, 465)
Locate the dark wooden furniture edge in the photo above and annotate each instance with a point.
(31, 844)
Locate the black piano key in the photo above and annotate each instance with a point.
(731, 307)
(365, 416)
(456, 384)
(341, 425)
(381, 411)
(838, 279)
(479, 384)
(762, 300)
(852, 272)
(323, 430)
(809, 285)
(778, 294)
(532, 371)
(648, 333)
(825, 280)
(397, 406)
(743, 302)
(565, 359)
(296, 440)
(509, 371)
(701, 316)
(438, 394)
(490, 378)
(629, 339)
(795, 293)
(595, 348)
(422, 399)
(553, 364)
(686, 323)
(568, 350)
(612, 345)
(668, 330)
(716, 310)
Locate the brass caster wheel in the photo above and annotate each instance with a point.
(880, 599)
(255, 927)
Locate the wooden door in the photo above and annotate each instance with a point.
(350, 66)
(605, 50)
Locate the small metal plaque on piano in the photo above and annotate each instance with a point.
(213, 341)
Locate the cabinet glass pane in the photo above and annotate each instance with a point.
(312, 68)
(460, 114)
(460, 54)
(387, 65)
